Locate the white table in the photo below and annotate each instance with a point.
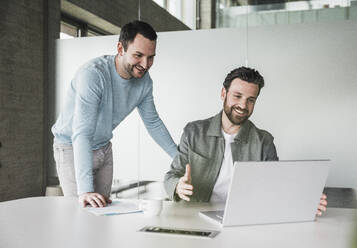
(60, 222)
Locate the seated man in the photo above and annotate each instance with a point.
(212, 145)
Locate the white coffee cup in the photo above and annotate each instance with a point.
(151, 207)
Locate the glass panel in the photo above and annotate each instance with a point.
(231, 13)
(162, 3)
(184, 10)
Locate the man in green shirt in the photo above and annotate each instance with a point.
(203, 168)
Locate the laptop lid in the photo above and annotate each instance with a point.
(275, 191)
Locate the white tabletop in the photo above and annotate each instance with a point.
(60, 222)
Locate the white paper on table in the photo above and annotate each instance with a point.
(116, 207)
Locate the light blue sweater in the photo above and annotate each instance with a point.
(97, 100)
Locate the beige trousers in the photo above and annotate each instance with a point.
(102, 169)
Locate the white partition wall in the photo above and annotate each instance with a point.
(308, 104)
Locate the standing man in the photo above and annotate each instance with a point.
(204, 167)
(102, 93)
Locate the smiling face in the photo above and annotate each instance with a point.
(239, 101)
(137, 59)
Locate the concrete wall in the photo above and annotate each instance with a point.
(53, 24)
(28, 33)
(22, 43)
(120, 12)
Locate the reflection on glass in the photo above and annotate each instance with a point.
(184, 10)
(234, 13)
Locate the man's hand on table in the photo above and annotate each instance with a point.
(95, 200)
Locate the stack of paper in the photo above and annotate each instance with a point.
(116, 207)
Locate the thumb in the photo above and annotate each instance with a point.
(188, 173)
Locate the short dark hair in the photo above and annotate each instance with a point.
(246, 74)
(131, 29)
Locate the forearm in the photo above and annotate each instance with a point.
(88, 87)
(177, 169)
(162, 137)
(82, 150)
(155, 125)
(157, 129)
(269, 152)
(83, 164)
(170, 183)
(172, 178)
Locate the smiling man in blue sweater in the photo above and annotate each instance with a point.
(102, 93)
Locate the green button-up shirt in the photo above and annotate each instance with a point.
(202, 146)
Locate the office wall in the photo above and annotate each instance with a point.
(24, 40)
(308, 103)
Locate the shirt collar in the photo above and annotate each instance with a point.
(215, 128)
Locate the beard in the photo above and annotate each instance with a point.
(130, 70)
(232, 116)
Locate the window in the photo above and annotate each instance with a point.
(184, 10)
(233, 13)
(72, 27)
(68, 31)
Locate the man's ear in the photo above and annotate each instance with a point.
(223, 93)
(120, 48)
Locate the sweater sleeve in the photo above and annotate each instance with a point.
(88, 93)
(155, 125)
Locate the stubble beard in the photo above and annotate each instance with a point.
(129, 69)
(236, 120)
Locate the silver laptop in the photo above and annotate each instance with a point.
(273, 192)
